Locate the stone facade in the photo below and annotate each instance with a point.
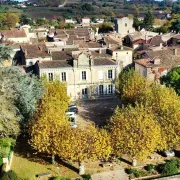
(85, 78)
(124, 26)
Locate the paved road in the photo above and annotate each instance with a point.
(111, 175)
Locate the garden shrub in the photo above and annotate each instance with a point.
(3, 167)
(136, 173)
(10, 175)
(86, 177)
(169, 168)
(129, 171)
(150, 167)
(143, 173)
(1, 161)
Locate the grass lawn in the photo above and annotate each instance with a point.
(27, 170)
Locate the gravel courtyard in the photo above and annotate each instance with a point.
(96, 111)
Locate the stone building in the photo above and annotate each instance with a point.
(87, 74)
(124, 26)
(89, 70)
(14, 36)
(156, 63)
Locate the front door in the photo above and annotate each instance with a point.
(84, 93)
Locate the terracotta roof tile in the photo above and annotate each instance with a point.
(14, 33)
(103, 61)
(55, 64)
(61, 55)
(166, 56)
(35, 50)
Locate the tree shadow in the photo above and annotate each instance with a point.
(66, 164)
(24, 150)
(125, 161)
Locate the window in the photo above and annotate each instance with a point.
(110, 89)
(83, 75)
(84, 91)
(50, 76)
(101, 89)
(109, 74)
(126, 24)
(63, 76)
(100, 75)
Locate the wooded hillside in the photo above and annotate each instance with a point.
(48, 2)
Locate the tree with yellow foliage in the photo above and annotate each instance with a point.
(134, 131)
(83, 144)
(49, 118)
(131, 86)
(165, 105)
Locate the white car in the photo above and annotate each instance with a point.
(72, 106)
(72, 119)
(169, 153)
(71, 114)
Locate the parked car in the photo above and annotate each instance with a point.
(169, 153)
(70, 114)
(72, 106)
(72, 121)
(73, 109)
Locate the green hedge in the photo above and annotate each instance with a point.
(136, 173)
(10, 175)
(169, 168)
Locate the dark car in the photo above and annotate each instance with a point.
(73, 109)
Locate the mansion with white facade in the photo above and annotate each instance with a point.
(89, 69)
(85, 77)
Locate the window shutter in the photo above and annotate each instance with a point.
(107, 88)
(100, 75)
(104, 89)
(113, 88)
(81, 75)
(67, 76)
(97, 90)
(113, 74)
(60, 76)
(86, 75)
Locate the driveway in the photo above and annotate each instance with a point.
(97, 111)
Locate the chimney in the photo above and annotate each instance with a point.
(92, 62)
(157, 61)
(75, 63)
(121, 48)
(175, 52)
(100, 51)
(161, 45)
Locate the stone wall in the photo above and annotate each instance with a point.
(175, 177)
